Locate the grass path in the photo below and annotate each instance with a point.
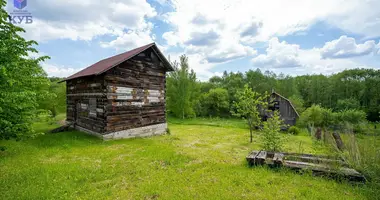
(201, 159)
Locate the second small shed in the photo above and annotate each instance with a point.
(287, 111)
(122, 96)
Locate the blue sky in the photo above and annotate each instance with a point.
(291, 37)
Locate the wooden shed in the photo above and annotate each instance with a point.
(287, 111)
(122, 96)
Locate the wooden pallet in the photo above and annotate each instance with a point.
(319, 165)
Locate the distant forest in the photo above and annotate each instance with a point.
(350, 89)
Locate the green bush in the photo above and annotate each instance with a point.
(294, 130)
(318, 116)
(351, 116)
(345, 104)
(271, 137)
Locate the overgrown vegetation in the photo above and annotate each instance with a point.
(294, 130)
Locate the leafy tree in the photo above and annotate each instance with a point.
(317, 116)
(271, 137)
(248, 105)
(345, 104)
(21, 77)
(312, 116)
(298, 103)
(215, 102)
(54, 99)
(351, 116)
(181, 89)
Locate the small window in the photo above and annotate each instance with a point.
(92, 107)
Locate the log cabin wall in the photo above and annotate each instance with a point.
(86, 101)
(135, 93)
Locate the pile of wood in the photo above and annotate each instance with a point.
(319, 165)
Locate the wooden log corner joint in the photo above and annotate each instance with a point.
(318, 165)
(122, 96)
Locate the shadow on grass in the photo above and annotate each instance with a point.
(75, 138)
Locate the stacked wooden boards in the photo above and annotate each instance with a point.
(319, 165)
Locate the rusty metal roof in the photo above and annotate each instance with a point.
(108, 63)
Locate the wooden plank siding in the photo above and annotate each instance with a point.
(287, 112)
(80, 92)
(285, 108)
(135, 94)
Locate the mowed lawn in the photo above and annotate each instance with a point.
(200, 159)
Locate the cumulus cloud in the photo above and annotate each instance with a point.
(129, 40)
(200, 19)
(171, 38)
(346, 47)
(203, 39)
(241, 24)
(290, 17)
(85, 20)
(278, 55)
(59, 71)
(252, 29)
(232, 53)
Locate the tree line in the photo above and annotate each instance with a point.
(355, 89)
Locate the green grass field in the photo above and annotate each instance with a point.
(200, 159)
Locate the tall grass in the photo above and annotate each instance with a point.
(362, 152)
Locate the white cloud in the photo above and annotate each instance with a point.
(213, 31)
(281, 55)
(345, 47)
(272, 17)
(378, 48)
(240, 24)
(171, 38)
(197, 63)
(53, 30)
(84, 20)
(360, 17)
(58, 71)
(129, 40)
(203, 38)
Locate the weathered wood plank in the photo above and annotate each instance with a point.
(86, 94)
(260, 158)
(278, 159)
(318, 165)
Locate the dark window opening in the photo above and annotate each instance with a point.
(274, 105)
